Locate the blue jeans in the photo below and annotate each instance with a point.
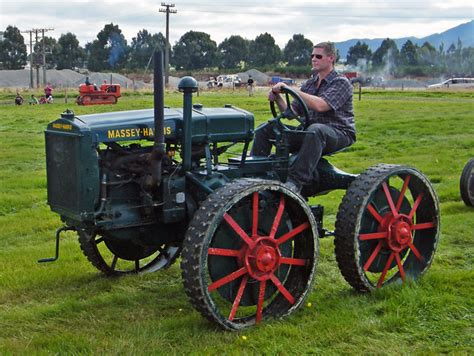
(321, 139)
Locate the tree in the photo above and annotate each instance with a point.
(427, 54)
(264, 51)
(12, 49)
(194, 50)
(109, 50)
(68, 53)
(386, 55)
(298, 51)
(142, 47)
(232, 51)
(408, 54)
(357, 53)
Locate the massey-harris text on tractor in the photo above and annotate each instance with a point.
(89, 94)
(144, 187)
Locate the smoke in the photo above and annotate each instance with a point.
(117, 49)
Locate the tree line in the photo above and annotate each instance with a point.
(197, 51)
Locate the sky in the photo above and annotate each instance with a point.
(334, 20)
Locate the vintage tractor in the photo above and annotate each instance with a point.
(89, 94)
(466, 183)
(248, 243)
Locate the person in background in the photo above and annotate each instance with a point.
(250, 83)
(48, 91)
(328, 96)
(33, 100)
(87, 82)
(19, 99)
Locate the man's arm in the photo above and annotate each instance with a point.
(312, 101)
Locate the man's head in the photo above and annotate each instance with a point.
(323, 57)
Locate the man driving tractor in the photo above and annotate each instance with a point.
(328, 97)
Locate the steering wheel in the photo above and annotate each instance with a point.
(289, 113)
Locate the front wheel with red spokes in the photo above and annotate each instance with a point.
(250, 253)
(387, 227)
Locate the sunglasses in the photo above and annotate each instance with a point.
(318, 56)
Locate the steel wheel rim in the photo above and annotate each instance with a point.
(406, 228)
(101, 256)
(259, 261)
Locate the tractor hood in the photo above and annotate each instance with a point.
(227, 124)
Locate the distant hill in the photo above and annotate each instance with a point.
(465, 32)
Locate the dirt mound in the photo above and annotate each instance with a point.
(65, 78)
(259, 77)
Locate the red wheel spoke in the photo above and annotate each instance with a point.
(389, 198)
(415, 205)
(385, 270)
(240, 292)
(372, 256)
(254, 214)
(400, 266)
(374, 213)
(282, 289)
(229, 278)
(261, 299)
(373, 236)
(293, 261)
(402, 193)
(223, 252)
(293, 233)
(276, 222)
(416, 252)
(423, 226)
(233, 224)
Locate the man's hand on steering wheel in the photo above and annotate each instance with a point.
(289, 113)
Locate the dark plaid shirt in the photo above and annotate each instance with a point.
(336, 91)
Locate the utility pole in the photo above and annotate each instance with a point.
(43, 52)
(168, 10)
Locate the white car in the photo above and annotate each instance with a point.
(229, 81)
(461, 83)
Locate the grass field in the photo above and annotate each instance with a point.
(69, 307)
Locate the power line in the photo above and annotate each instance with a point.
(168, 9)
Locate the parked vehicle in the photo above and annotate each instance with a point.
(229, 81)
(91, 95)
(461, 83)
(277, 79)
(466, 183)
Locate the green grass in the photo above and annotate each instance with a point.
(69, 307)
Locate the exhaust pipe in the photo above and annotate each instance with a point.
(159, 146)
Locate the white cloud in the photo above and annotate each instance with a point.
(318, 20)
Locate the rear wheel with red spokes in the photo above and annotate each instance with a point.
(387, 227)
(250, 253)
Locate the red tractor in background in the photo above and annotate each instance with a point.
(91, 95)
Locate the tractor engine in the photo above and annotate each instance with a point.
(101, 173)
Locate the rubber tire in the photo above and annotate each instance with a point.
(466, 183)
(196, 243)
(349, 218)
